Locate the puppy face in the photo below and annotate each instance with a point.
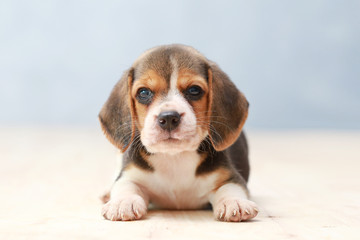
(171, 112)
(171, 100)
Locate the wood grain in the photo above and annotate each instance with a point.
(307, 185)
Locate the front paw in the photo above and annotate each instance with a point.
(125, 209)
(235, 210)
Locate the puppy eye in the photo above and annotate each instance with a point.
(144, 95)
(194, 92)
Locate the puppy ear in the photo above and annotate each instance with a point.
(117, 115)
(228, 109)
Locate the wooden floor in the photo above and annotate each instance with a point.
(307, 185)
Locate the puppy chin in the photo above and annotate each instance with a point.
(172, 146)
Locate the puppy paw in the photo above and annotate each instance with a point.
(125, 209)
(235, 210)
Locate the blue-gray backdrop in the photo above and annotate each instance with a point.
(298, 62)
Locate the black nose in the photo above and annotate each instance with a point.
(169, 120)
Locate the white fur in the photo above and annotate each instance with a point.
(127, 202)
(230, 204)
(186, 137)
(174, 75)
(173, 184)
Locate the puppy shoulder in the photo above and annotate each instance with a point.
(231, 164)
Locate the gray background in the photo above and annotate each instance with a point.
(298, 62)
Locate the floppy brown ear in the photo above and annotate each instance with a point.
(228, 109)
(117, 115)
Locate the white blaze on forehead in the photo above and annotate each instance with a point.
(174, 76)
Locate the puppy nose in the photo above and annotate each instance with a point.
(169, 120)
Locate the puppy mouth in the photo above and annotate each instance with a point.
(171, 140)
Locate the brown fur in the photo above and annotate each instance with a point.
(228, 109)
(223, 177)
(116, 116)
(157, 84)
(187, 78)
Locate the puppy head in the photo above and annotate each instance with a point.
(171, 99)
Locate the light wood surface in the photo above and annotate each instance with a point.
(307, 184)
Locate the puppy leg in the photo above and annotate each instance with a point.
(230, 204)
(127, 202)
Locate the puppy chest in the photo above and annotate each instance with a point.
(174, 184)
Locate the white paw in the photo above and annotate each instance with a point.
(235, 210)
(125, 209)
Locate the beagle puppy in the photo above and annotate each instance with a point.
(177, 119)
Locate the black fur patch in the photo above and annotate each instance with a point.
(134, 155)
(213, 159)
(234, 158)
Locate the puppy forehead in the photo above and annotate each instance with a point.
(166, 60)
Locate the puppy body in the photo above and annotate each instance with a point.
(177, 118)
